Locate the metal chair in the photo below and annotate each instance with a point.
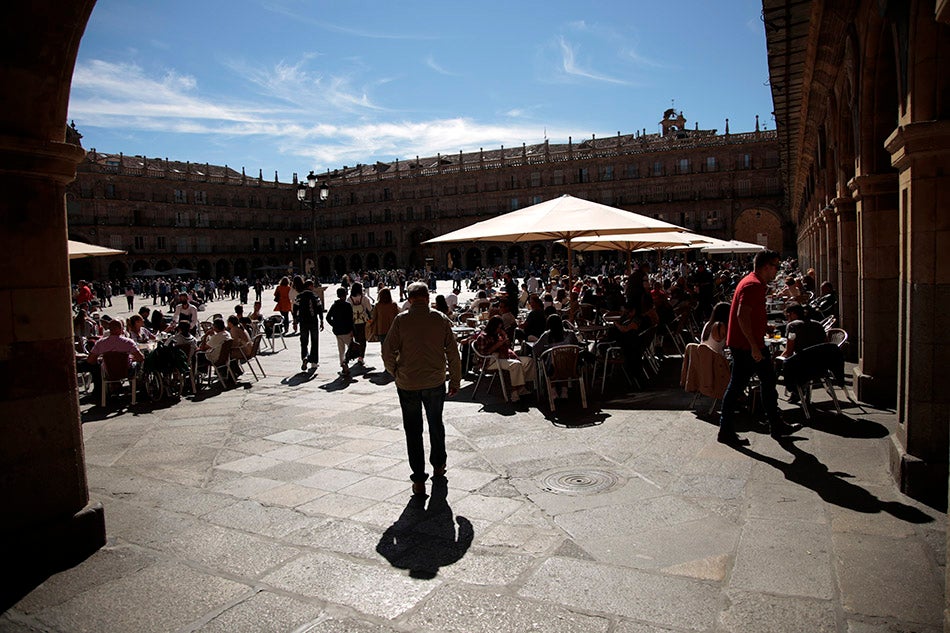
(610, 356)
(837, 336)
(488, 365)
(116, 368)
(564, 370)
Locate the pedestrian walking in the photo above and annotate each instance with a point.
(745, 336)
(340, 318)
(308, 313)
(417, 349)
(130, 297)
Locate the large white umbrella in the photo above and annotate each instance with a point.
(78, 250)
(640, 242)
(565, 218)
(733, 246)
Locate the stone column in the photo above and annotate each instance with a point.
(921, 152)
(47, 520)
(875, 378)
(829, 270)
(847, 280)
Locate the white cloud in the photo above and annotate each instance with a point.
(431, 63)
(571, 67)
(124, 99)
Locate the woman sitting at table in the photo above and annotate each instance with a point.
(84, 327)
(554, 336)
(137, 330)
(714, 332)
(494, 342)
(184, 339)
(625, 333)
(441, 305)
(239, 335)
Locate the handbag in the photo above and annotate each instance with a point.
(371, 336)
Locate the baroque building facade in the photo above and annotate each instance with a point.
(221, 223)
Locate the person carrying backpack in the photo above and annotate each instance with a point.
(308, 313)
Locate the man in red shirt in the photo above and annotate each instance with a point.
(746, 340)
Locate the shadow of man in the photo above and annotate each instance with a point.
(423, 539)
(833, 487)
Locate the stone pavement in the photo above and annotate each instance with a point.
(284, 505)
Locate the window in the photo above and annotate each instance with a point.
(409, 214)
(744, 187)
(139, 243)
(201, 197)
(428, 212)
(110, 190)
(387, 194)
(160, 243)
(633, 171)
(683, 166)
(712, 218)
(536, 179)
(710, 163)
(513, 204)
(389, 238)
(658, 168)
(181, 218)
(607, 173)
(583, 175)
(535, 200)
(745, 162)
(557, 178)
(354, 239)
(183, 246)
(115, 241)
(256, 244)
(180, 195)
(388, 215)
(371, 239)
(271, 244)
(204, 245)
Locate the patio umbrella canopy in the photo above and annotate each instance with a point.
(628, 243)
(565, 218)
(78, 250)
(733, 246)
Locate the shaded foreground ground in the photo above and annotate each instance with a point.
(284, 505)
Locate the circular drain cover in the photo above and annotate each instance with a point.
(580, 481)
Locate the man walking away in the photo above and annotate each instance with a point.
(419, 345)
(746, 340)
(340, 318)
(308, 312)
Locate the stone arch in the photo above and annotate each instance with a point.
(163, 264)
(240, 268)
(372, 261)
(204, 269)
(473, 258)
(494, 256)
(759, 226)
(185, 263)
(453, 258)
(356, 262)
(389, 260)
(339, 265)
(117, 270)
(537, 254)
(223, 269)
(516, 256)
(324, 266)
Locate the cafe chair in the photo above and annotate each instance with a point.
(116, 368)
(609, 357)
(705, 372)
(244, 358)
(188, 350)
(821, 364)
(276, 330)
(837, 336)
(221, 368)
(561, 366)
(487, 366)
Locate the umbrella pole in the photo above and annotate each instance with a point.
(570, 276)
(629, 262)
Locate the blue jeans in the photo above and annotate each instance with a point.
(743, 368)
(310, 337)
(412, 402)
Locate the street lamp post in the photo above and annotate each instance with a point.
(316, 196)
(301, 243)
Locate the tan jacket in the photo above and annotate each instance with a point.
(417, 348)
(704, 371)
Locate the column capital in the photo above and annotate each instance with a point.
(845, 209)
(914, 141)
(870, 185)
(35, 158)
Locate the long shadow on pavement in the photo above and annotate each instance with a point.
(806, 470)
(423, 539)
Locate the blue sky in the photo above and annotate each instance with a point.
(291, 86)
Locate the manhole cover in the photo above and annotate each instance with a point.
(580, 481)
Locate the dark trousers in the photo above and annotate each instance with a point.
(412, 403)
(743, 368)
(310, 337)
